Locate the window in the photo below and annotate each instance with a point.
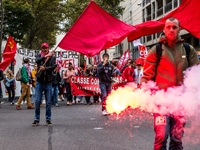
(175, 3)
(149, 12)
(196, 42)
(160, 7)
(168, 6)
(149, 38)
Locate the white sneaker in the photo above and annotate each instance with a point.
(105, 113)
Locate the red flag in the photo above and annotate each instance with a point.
(94, 31)
(9, 53)
(188, 14)
(123, 60)
(97, 59)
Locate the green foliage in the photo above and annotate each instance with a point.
(17, 20)
(32, 22)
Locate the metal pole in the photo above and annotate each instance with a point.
(1, 31)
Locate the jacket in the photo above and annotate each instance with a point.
(45, 76)
(56, 79)
(33, 77)
(25, 76)
(169, 71)
(128, 74)
(104, 72)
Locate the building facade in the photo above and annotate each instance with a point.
(138, 11)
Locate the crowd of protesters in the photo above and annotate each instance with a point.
(49, 83)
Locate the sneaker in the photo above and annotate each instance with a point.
(18, 108)
(105, 113)
(35, 123)
(67, 102)
(90, 103)
(30, 107)
(48, 123)
(56, 105)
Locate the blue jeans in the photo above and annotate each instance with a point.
(105, 90)
(33, 95)
(54, 95)
(47, 89)
(165, 126)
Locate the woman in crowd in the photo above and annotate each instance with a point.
(69, 73)
(10, 85)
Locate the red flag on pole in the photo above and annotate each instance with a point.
(9, 53)
(123, 60)
(94, 31)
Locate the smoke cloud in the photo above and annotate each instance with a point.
(181, 100)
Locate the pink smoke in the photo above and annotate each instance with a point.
(181, 100)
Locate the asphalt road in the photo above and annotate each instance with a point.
(81, 127)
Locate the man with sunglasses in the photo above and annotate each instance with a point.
(46, 63)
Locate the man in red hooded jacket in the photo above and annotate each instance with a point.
(168, 73)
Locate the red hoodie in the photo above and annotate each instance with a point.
(128, 74)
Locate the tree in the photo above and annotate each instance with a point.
(32, 22)
(17, 20)
(42, 23)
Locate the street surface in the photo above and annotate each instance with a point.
(80, 127)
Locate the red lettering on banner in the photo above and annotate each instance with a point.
(66, 62)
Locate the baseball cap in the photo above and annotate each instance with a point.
(45, 45)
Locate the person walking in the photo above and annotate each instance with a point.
(128, 73)
(167, 71)
(10, 85)
(55, 84)
(25, 85)
(33, 78)
(105, 71)
(69, 73)
(46, 63)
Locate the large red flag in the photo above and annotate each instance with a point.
(123, 60)
(9, 53)
(95, 30)
(188, 13)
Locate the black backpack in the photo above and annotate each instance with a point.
(1, 75)
(159, 51)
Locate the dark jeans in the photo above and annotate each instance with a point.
(68, 92)
(87, 98)
(165, 126)
(47, 89)
(11, 93)
(96, 99)
(105, 90)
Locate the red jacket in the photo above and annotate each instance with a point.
(128, 74)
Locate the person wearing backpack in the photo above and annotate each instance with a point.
(167, 71)
(25, 85)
